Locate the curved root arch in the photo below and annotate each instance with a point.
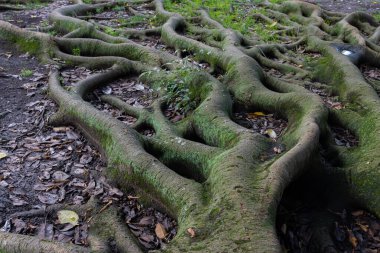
(226, 186)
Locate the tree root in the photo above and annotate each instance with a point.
(220, 186)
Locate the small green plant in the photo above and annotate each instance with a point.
(132, 21)
(177, 88)
(26, 73)
(276, 1)
(76, 51)
(111, 31)
(157, 20)
(376, 15)
(229, 14)
(52, 33)
(36, 4)
(118, 8)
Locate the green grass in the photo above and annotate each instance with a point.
(26, 73)
(376, 15)
(76, 51)
(111, 31)
(132, 21)
(34, 4)
(230, 15)
(178, 89)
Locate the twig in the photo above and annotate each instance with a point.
(105, 207)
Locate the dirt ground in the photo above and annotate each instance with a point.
(46, 165)
(347, 6)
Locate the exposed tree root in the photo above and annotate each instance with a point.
(220, 187)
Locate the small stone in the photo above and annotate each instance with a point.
(79, 173)
(6, 175)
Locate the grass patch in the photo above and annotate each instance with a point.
(229, 13)
(76, 51)
(177, 87)
(26, 73)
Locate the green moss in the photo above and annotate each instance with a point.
(76, 51)
(376, 15)
(327, 71)
(157, 20)
(133, 21)
(30, 45)
(111, 31)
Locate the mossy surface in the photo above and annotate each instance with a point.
(217, 177)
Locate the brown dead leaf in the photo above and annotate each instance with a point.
(160, 231)
(363, 227)
(255, 115)
(191, 232)
(352, 239)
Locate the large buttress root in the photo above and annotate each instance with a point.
(226, 187)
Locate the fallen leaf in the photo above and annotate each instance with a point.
(2, 155)
(107, 90)
(48, 198)
(147, 221)
(132, 197)
(60, 176)
(139, 87)
(271, 133)
(352, 239)
(273, 24)
(363, 227)
(20, 225)
(16, 201)
(67, 216)
(255, 115)
(71, 135)
(61, 129)
(6, 227)
(278, 150)
(191, 232)
(160, 231)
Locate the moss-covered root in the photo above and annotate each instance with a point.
(15, 243)
(221, 181)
